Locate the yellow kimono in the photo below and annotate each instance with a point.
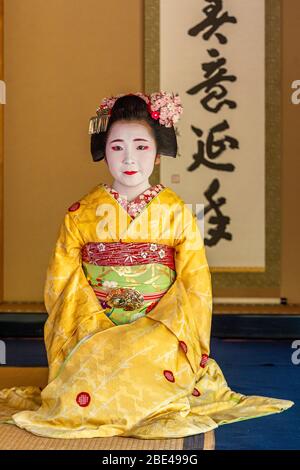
(128, 332)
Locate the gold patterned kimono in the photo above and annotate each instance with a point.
(128, 333)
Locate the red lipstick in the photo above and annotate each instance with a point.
(130, 172)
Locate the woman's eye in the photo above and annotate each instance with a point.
(145, 147)
(116, 147)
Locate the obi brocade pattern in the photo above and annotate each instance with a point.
(127, 254)
(143, 269)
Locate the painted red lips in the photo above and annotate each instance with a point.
(130, 172)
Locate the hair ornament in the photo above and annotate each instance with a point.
(164, 107)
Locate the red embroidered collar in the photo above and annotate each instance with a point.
(136, 206)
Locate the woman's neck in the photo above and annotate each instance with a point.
(131, 192)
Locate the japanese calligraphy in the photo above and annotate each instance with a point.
(214, 99)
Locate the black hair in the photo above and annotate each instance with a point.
(134, 108)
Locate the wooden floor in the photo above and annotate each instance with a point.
(23, 376)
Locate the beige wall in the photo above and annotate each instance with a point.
(61, 57)
(290, 284)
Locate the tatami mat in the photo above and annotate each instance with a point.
(14, 438)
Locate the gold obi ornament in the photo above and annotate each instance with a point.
(125, 297)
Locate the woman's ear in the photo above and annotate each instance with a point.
(157, 159)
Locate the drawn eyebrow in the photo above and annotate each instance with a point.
(121, 140)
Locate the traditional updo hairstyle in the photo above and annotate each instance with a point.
(134, 108)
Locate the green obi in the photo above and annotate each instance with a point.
(151, 280)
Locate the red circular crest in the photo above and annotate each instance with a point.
(83, 399)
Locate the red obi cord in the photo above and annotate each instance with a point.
(127, 254)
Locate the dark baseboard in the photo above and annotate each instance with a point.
(22, 325)
(263, 326)
(253, 326)
(23, 352)
(22, 344)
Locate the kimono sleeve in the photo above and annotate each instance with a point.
(72, 306)
(193, 272)
(65, 260)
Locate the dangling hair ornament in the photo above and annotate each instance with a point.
(99, 123)
(162, 106)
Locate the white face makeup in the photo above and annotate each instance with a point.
(130, 152)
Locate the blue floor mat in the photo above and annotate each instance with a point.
(260, 368)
